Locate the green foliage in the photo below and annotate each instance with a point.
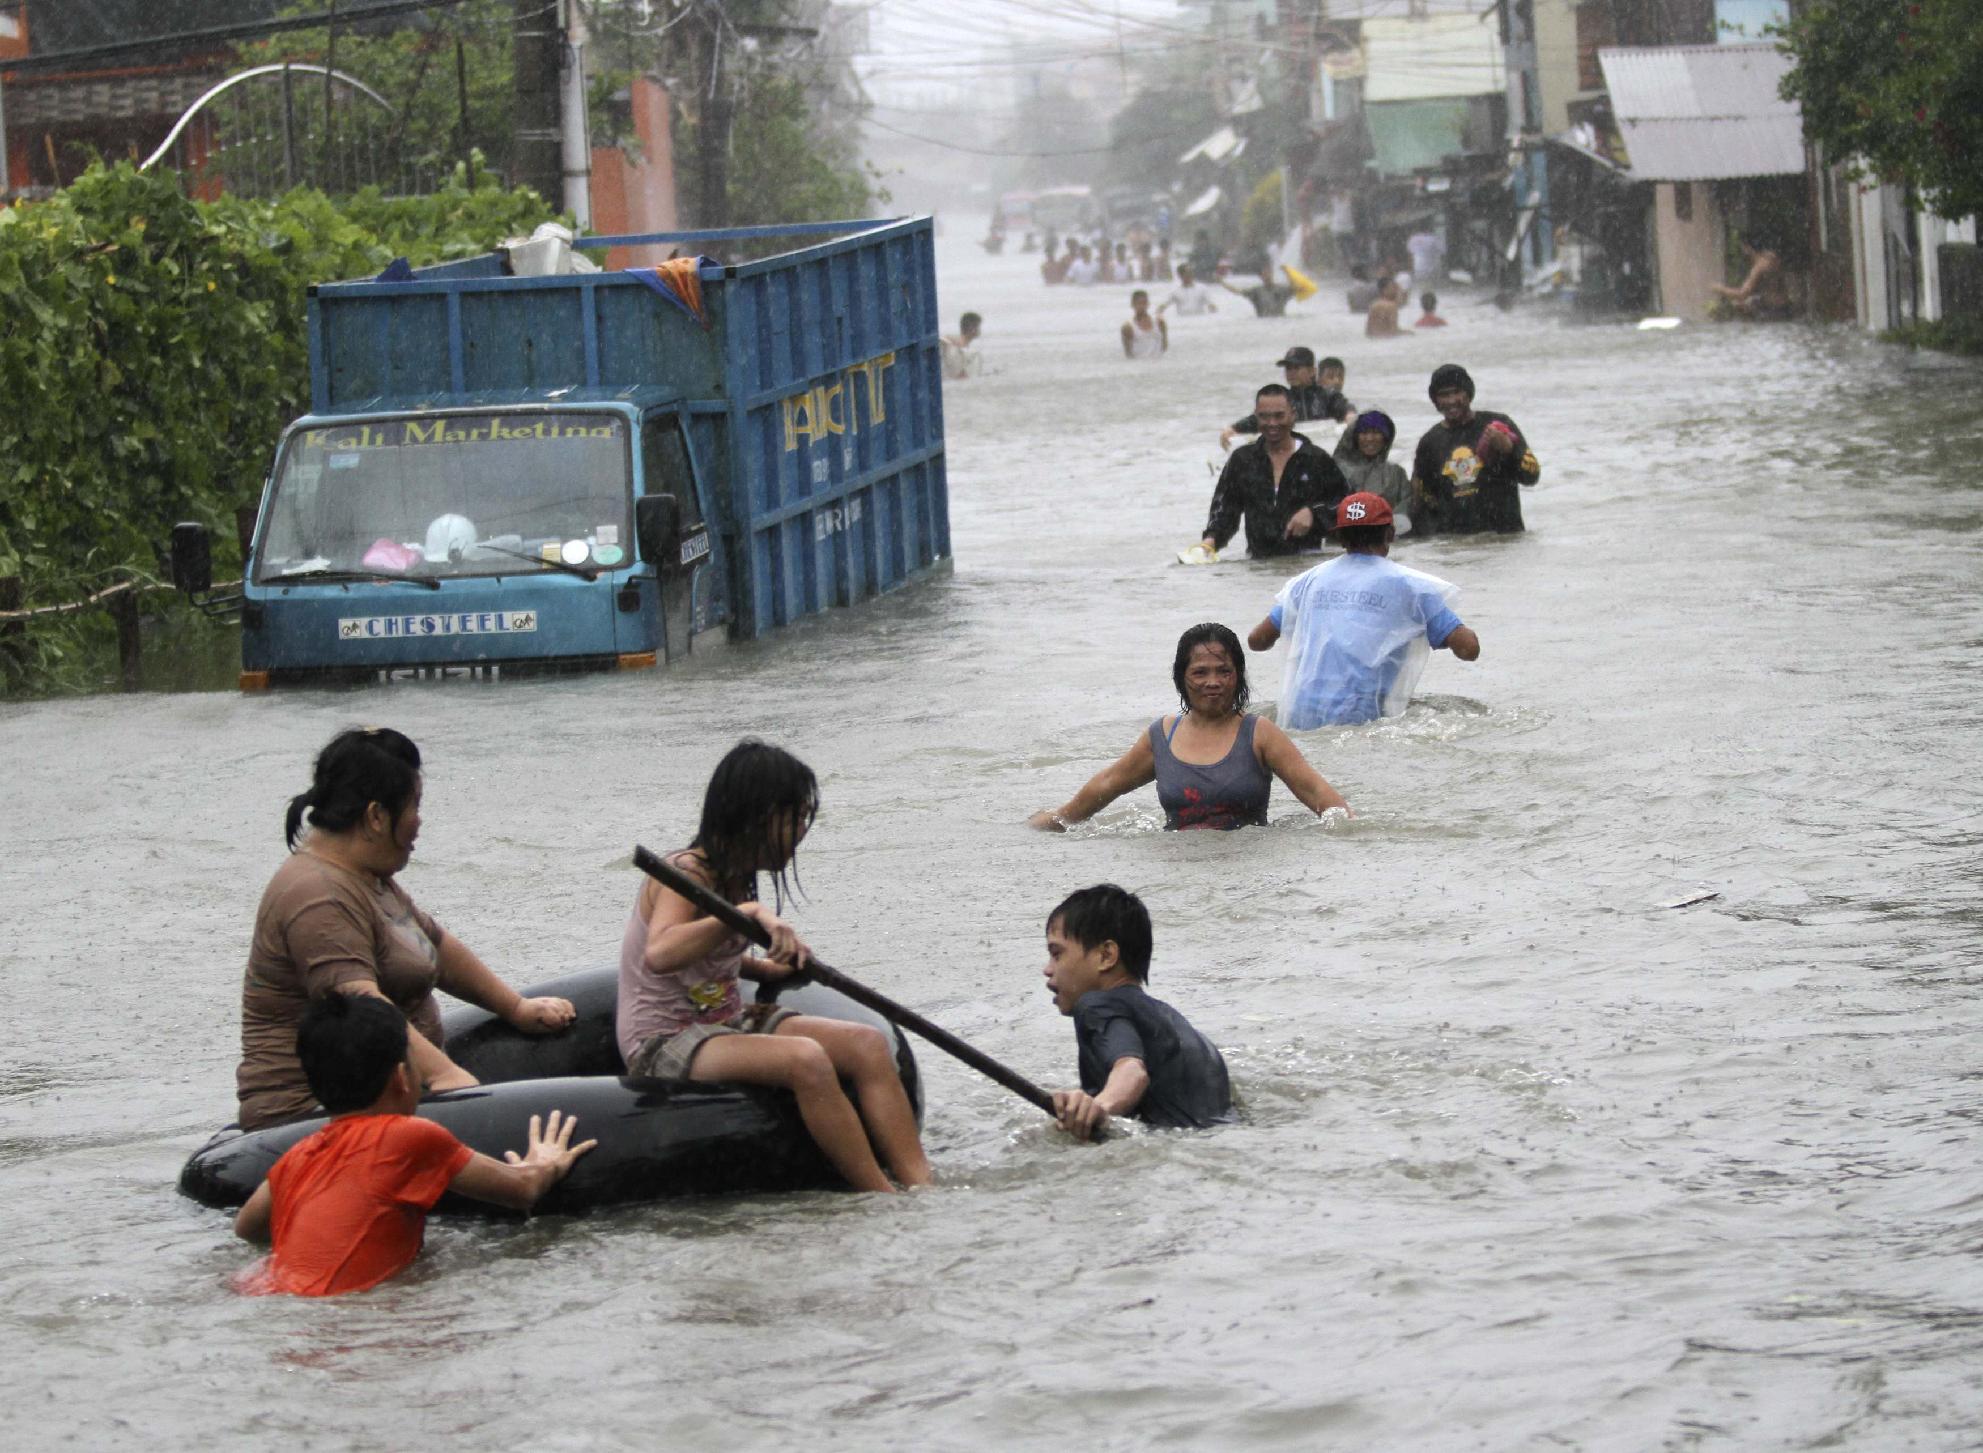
(157, 347)
(1260, 223)
(1946, 335)
(1897, 87)
(412, 64)
(1153, 129)
(783, 167)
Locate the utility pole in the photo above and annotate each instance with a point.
(577, 133)
(713, 135)
(536, 160)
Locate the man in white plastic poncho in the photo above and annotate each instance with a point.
(1359, 627)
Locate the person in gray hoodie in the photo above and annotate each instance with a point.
(1364, 456)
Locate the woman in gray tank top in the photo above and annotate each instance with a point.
(1212, 763)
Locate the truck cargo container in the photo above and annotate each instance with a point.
(508, 473)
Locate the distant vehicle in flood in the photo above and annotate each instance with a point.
(512, 473)
(1061, 210)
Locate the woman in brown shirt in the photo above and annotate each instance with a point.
(332, 920)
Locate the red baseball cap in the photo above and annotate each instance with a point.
(1363, 508)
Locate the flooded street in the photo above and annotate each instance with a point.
(1527, 1159)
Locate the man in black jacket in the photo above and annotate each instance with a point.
(1284, 488)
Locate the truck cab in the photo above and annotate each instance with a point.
(505, 532)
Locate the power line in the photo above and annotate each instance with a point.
(1115, 146)
(62, 60)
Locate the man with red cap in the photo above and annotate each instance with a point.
(1468, 466)
(1360, 628)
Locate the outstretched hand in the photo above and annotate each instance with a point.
(550, 1146)
(542, 1016)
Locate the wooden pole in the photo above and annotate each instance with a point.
(13, 634)
(123, 608)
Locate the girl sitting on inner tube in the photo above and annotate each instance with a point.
(681, 1015)
(332, 920)
(1213, 764)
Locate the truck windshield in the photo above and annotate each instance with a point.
(450, 495)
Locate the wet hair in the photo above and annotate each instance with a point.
(1364, 539)
(1332, 362)
(1429, 302)
(1108, 914)
(1450, 375)
(348, 1045)
(754, 785)
(1142, 293)
(358, 767)
(1210, 633)
(1273, 390)
(1379, 421)
(969, 321)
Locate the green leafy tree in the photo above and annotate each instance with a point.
(156, 348)
(1147, 135)
(412, 61)
(782, 167)
(1896, 87)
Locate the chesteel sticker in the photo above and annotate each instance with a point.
(443, 623)
(695, 547)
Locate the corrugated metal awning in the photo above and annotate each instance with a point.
(1206, 201)
(1216, 147)
(1700, 113)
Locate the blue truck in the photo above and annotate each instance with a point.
(509, 474)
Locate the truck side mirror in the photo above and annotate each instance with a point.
(657, 528)
(192, 558)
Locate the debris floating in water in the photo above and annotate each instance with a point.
(1657, 325)
(1691, 899)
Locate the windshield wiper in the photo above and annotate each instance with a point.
(583, 572)
(377, 577)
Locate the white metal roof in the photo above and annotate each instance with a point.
(1217, 147)
(1696, 113)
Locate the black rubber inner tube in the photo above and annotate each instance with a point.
(656, 1140)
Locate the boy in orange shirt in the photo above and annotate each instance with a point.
(348, 1205)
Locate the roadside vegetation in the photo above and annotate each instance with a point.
(157, 349)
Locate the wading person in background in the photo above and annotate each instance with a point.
(1269, 298)
(1136, 1055)
(1310, 398)
(962, 358)
(1359, 627)
(1213, 763)
(1429, 318)
(347, 1207)
(1762, 293)
(1469, 469)
(1281, 485)
(1382, 319)
(334, 920)
(1190, 297)
(682, 1016)
(1144, 336)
